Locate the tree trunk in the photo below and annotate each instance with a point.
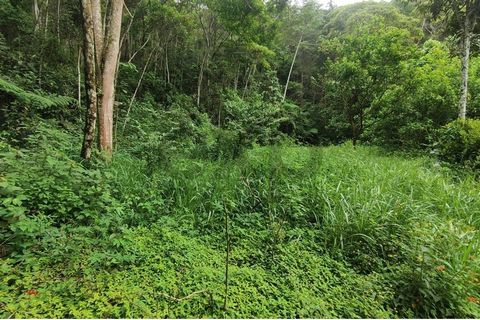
(139, 83)
(248, 72)
(90, 80)
(291, 68)
(45, 30)
(101, 60)
(112, 46)
(79, 72)
(58, 20)
(36, 11)
(167, 67)
(200, 77)
(351, 119)
(462, 108)
(237, 75)
(96, 8)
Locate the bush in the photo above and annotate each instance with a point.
(41, 187)
(255, 120)
(459, 143)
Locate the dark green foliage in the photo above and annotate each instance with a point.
(14, 19)
(42, 187)
(38, 101)
(178, 128)
(345, 231)
(312, 231)
(255, 120)
(459, 143)
(409, 120)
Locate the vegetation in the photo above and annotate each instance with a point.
(239, 159)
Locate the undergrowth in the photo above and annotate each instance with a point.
(313, 232)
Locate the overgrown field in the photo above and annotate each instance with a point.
(310, 232)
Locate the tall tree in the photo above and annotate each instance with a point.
(460, 16)
(90, 79)
(101, 50)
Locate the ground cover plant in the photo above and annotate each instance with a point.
(239, 159)
(312, 232)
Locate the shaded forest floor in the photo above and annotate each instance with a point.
(312, 232)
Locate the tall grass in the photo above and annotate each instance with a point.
(404, 218)
(313, 232)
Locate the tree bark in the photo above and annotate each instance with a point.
(101, 48)
(167, 67)
(96, 8)
(248, 72)
(112, 46)
(291, 68)
(45, 30)
(36, 11)
(462, 108)
(90, 80)
(207, 32)
(58, 19)
(79, 73)
(200, 77)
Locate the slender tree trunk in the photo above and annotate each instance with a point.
(200, 77)
(353, 125)
(248, 72)
(36, 12)
(139, 83)
(167, 67)
(58, 19)
(111, 49)
(291, 68)
(98, 32)
(105, 18)
(90, 80)
(126, 37)
(462, 108)
(237, 75)
(140, 49)
(79, 71)
(227, 260)
(45, 30)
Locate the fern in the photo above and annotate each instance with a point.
(41, 101)
(3, 45)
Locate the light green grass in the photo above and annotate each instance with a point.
(315, 232)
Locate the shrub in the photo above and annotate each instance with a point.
(254, 119)
(42, 187)
(459, 143)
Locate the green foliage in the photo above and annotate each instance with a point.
(442, 272)
(473, 109)
(347, 19)
(366, 63)
(408, 121)
(181, 276)
(13, 19)
(255, 119)
(459, 143)
(178, 129)
(315, 228)
(334, 232)
(37, 100)
(42, 187)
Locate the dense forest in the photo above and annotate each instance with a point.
(239, 159)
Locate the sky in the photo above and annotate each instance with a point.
(335, 2)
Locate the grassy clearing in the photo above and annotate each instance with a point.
(313, 232)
